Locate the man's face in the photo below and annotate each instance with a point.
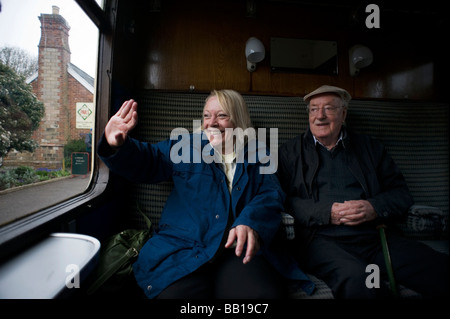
(326, 117)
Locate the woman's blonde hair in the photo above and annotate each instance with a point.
(234, 106)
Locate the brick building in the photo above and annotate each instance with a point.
(67, 93)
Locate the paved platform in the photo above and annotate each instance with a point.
(16, 203)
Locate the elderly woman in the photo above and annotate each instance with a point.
(214, 236)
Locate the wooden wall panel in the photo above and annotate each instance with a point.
(201, 44)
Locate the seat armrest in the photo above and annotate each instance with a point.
(288, 223)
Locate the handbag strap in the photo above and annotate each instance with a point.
(147, 220)
(130, 253)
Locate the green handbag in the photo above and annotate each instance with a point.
(114, 272)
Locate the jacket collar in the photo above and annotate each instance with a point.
(311, 140)
(253, 151)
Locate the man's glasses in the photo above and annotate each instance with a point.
(329, 110)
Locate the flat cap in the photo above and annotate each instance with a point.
(329, 89)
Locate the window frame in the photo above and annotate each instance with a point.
(62, 216)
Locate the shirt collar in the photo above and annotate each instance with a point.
(340, 139)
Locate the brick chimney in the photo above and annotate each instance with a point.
(52, 86)
(54, 31)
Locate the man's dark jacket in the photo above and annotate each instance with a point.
(383, 184)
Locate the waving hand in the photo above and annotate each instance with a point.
(116, 131)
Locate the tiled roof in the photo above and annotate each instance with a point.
(85, 79)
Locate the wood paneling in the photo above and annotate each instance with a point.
(201, 44)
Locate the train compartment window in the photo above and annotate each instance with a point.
(48, 70)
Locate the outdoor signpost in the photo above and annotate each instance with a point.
(80, 163)
(84, 120)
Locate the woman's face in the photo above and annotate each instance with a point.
(215, 123)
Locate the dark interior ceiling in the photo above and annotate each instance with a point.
(425, 14)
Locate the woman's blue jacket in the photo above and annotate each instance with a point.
(200, 209)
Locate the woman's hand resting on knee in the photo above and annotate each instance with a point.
(243, 234)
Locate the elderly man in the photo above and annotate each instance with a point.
(339, 187)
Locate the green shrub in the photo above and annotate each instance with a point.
(25, 175)
(7, 179)
(73, 146)
(22, 175)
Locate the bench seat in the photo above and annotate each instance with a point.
(414, 133)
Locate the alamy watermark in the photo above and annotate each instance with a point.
(73, 279)
(373, 279)
(373, 19)
(259, 148)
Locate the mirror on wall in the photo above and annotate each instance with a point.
(303, 56)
